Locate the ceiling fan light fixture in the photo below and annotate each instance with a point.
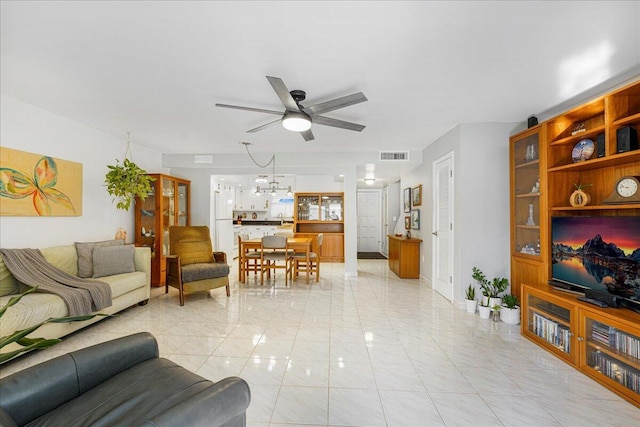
(296, 121)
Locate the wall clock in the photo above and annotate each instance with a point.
(626, 190)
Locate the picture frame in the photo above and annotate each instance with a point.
(415, 219)
(407, 222)
(407, 200)
(416, 195)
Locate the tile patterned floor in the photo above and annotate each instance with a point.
(371, 350)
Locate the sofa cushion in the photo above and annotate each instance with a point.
(63, 257)
(202, 271)
(85, 255)
(31, 310)
(122, 283)
(130, 397)
(110, 260)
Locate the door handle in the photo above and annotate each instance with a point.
(435, 233)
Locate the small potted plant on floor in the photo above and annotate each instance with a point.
(470, 300)
(498, 286)
(510, 310)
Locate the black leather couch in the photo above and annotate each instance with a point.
(121, 382)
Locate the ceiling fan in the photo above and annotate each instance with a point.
(298, 118)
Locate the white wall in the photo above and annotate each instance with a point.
(481, 201)
(28, 128)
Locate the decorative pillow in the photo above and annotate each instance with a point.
(110, 260)
(85, 255)
(8, 284)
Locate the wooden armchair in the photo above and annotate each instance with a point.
(192, 265)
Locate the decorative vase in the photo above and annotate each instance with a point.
(510, 316)
(471, 305)
(485, 311)
(579, 199)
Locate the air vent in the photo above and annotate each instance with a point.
(394, 156)
(203, 159)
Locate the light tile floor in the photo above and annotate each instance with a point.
(371, 350)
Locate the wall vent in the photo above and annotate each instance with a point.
(394, 156)
(203, 159)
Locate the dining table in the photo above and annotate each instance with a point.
(297, 244)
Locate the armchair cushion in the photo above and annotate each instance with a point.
(202, 271)
(191, 244)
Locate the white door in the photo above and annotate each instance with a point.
(369, 220)
(443, 226)
(385, 222)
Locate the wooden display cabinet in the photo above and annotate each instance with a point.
(316, 213)
(404, 256)
(603, 343)
(167, 205)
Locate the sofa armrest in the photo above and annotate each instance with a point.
(220, 257)
(142, 261)
(56, 381)
(224, 401)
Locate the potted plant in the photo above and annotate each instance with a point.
(470, 300)
(496, 313)
(510, 310)
(127, 181)
(484, 309)
(485, 286)
(498, 286)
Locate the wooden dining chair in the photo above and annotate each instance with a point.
(300, 259)
(249, 259)
(273, 251)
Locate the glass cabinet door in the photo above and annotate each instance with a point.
(308, 208)
(612, 352)
(526, 181)
(549, 322)
(331, 208)
(183, 200)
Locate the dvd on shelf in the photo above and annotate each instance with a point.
(550, 331)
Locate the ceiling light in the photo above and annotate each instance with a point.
(261, 180)
(369, 181)
(257, 191)
(274, 192)
(296, 121)
(289, 192)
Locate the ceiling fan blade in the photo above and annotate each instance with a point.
(256, 110)
(334, 104)
(283, 93)
(307, 135)
(320, 120)
(259, 128)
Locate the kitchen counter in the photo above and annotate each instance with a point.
(262, 222)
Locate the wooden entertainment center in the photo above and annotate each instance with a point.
(547, 166)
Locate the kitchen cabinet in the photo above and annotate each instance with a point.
(166, 206)
(248, 200)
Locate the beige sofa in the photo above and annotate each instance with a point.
(127, 289)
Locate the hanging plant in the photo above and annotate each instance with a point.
(127, 181)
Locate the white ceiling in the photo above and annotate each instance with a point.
(157, 68)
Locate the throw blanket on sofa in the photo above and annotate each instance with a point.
(82, 296)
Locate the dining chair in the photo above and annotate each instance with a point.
(249, 259)
(300, 259)
(274, 250)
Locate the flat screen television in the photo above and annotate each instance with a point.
(598, 253)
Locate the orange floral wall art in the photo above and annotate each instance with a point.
(37, 185)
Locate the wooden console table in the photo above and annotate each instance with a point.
(404, 256)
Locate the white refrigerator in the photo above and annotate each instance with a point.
(223, 223)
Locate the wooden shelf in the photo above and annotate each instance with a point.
(616, 354)
(570, 140)
(528, 227)
(527, 195)
(627, 120)
(533, 163)
(596, 207)
(602, 162)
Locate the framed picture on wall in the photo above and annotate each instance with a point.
(407, 223)
(416, 194)
(407, 199)
(415, 219)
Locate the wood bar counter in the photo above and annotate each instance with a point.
(404, 256)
